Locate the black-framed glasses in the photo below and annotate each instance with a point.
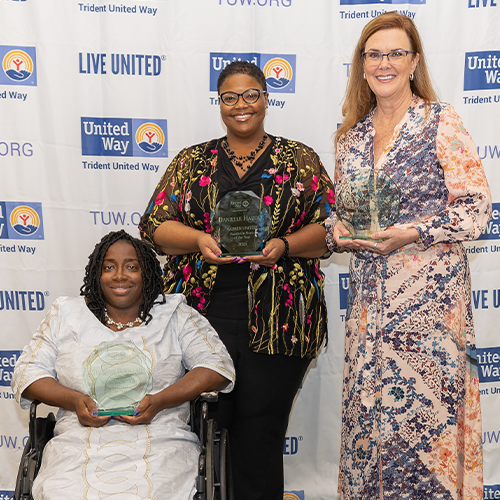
(250, 96)
(394, 56)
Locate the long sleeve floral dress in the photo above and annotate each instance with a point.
(411, 424)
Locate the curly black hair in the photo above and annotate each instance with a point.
(241, 68)
(152, 277)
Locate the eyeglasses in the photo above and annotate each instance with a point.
(250, 96)
(394, 56)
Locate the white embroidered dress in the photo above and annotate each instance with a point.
(154, 461)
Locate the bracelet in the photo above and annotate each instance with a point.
(287, 246)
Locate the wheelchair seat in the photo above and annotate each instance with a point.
(214, 480)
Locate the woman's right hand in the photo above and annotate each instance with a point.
(340, 230)
(86, 411)
(211, 251)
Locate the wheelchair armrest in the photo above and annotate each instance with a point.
(199, 413)
(209, 397)
(32, 422)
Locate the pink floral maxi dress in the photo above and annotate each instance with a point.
(411, 422)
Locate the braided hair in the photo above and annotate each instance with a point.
(152, 277)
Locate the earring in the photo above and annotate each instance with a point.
(411, 77)
(364, 76)
(267, 106)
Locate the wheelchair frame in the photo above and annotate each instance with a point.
(214, 480)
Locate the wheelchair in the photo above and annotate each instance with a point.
(214, 479)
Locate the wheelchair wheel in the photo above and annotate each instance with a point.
(210, 462)
(225, 473)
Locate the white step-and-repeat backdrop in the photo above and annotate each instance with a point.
(96, 97)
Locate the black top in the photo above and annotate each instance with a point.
(232, 279)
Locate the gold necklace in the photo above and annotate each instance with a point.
(119, 326)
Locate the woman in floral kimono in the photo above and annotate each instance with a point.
(411, 425)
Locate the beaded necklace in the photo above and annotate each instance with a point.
(119, 326)
(239, 160)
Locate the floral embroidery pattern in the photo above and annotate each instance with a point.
(281, 297)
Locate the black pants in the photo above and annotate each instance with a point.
(256, 412)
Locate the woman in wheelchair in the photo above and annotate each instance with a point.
(114, 361)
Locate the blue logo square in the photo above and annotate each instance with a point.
(343, 289)
(7, 362)
(278, 69)
(219, 60)
(18, 65)
(482, 70)
(21, 221)
(124, 137)
(492, 229)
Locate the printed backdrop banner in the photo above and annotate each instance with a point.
(97, 97)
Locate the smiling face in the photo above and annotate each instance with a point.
(243, 120)
(390, 80)
(121, 281)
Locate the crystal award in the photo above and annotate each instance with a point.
(367, 202)
(117, 375)
(240, 224)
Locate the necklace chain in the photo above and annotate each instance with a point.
(239, 160)
(111, 321)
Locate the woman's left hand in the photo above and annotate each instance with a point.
(273, 251)
(388, 240)
(144, 412)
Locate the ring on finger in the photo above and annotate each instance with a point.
(375, 245)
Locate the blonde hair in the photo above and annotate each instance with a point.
(359, 99)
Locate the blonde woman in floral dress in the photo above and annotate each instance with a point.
(411, 425)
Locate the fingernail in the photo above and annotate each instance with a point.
(234, 258)
(265, 252)
(94, 413)
(136, 413)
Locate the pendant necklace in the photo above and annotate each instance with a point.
(239, 160)
(119, 326)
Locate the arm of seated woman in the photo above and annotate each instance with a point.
(51, 392)
(190, 386)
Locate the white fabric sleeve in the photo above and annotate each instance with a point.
(38, 359)
(201, 346)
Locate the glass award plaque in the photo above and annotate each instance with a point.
(117, 375)
(367, 202)
(240, 224)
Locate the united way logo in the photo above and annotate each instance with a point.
(492, 229)
(18, 65)
(294, 495)
(278, 69)
(381, 2)
(7, 363)
(124, 137)
(343, 289)
(482, 70)
(150, 137)
(21, 221)
(278, 72)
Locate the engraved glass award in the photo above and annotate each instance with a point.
(240, 224)
(117, 375)
(367, 202)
